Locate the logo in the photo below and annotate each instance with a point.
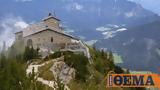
(133, 80)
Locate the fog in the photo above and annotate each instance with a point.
(8, 26)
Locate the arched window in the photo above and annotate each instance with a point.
(51, 39)
(29, 42)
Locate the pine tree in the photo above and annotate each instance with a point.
(2, 60)
(111, 61)
(12, 53)
(31, 53)
(128, 72)
(102, 52)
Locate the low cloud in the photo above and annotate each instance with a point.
(91, 42)
(110, 34)
(121, 29)
(103, 29)
(110, 30)
(8, 26)
(112, 26)
(107, 27)
(69, 31)
(21, 24)
(82, 37)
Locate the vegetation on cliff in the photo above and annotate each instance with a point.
(89, 76)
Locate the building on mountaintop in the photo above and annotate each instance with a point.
(49, 37)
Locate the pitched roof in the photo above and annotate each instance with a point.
(42, 26)
(38, 27)
(19, 32)
(47, 29)
(49, 17)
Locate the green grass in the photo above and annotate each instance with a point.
(42, 86)
(38, 61)
(45, 73)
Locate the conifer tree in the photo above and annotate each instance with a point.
(2, 60)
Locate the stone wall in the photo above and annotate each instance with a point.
(47, 38)
(19, 36)
(52, 22)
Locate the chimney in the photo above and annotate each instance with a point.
(50, 14)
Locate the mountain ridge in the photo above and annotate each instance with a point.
(138, 46)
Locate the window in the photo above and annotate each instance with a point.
(51, 39)
(29, 42)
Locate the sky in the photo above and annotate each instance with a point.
(18, 14)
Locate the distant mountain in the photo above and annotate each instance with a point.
(139, 46)
(118, 25)
(86, 16)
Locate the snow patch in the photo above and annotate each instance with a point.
(69, 30)
(82, 37)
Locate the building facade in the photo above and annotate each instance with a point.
(49, 36)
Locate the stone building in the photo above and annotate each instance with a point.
(49, 36)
